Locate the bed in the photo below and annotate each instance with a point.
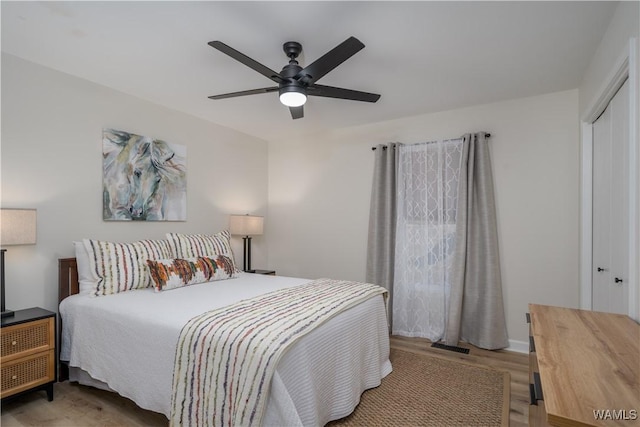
(126, 343)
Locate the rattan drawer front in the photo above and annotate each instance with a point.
(27, 373)
(27, 338)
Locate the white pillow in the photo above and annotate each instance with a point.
(87, 281)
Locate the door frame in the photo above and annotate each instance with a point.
(624, 68)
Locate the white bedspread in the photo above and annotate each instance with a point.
(128, 341)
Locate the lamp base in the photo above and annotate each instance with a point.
(246, 267)
(7, 313)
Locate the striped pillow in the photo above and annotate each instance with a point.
(120, 267)
(176, 273)
(202, 245)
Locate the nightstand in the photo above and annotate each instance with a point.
(267, 272)
(28, 343)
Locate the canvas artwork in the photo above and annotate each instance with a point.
(144, 179)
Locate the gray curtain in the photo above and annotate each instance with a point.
(382, 221)
(476, 310)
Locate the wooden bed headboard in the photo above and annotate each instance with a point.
(67, 285)
(67, 278)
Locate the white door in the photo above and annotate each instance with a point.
(602, 211)
(610, 287)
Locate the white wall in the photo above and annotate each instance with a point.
(319, 193)
(51, 160)
(624, 25)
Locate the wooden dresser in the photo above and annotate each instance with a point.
(28, 342)
(584, 368)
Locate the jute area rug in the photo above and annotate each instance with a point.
(429, 391)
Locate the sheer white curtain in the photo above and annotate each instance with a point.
(427, 184)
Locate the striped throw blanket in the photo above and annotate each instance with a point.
(226, 358)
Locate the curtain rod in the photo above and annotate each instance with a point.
(384, 147)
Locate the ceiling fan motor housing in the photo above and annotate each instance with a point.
(289, 71)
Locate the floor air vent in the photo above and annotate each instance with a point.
(450, 348)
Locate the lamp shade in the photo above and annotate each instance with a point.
(17, 227)
(246, 225)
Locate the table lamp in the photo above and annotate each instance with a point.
(246, 226)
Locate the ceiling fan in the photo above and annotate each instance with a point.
(296, 83)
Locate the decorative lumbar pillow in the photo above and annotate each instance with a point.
(202, 245)
(120, 267)
(176, 273)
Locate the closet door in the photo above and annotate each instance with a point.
(602, 211)
(610, 288)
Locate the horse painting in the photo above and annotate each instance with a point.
(144, 179)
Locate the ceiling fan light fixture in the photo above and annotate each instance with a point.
(293, 96)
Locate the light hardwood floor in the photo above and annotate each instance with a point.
(75, 405)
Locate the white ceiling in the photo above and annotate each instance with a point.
(420, 56)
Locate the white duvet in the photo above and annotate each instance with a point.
(128, 340)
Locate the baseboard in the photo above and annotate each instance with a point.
(518, 346)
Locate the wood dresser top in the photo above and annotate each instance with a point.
(588, 361)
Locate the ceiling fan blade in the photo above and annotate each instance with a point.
(337, 92)
(241, 57)
(297, 112)
(245, 92)
(329, 60)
